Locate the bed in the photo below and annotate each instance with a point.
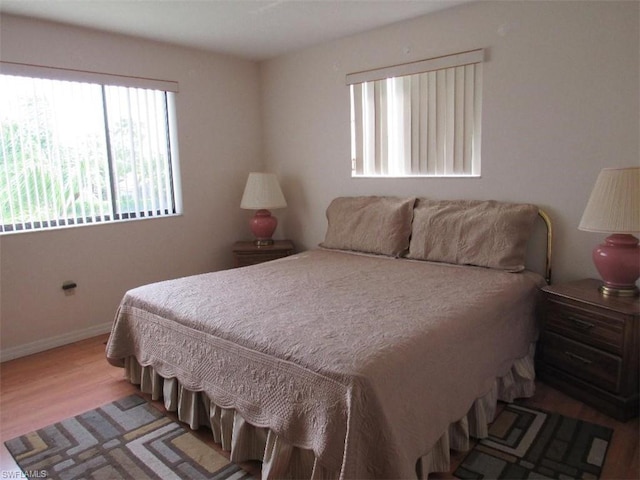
(369, 357)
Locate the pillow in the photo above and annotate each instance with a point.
(483, 233)
(379, 225)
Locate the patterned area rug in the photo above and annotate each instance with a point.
(528, 443)
(127, 439)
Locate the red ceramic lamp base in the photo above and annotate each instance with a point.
(618, 261)
(262, 225)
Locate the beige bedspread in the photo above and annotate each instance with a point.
(364, 360)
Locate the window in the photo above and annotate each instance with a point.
(418, 119)
(84, 151)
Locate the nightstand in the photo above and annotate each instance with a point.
(248, 253)
(589, 345)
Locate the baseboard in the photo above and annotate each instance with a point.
(53, 342)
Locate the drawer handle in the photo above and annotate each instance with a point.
(581, 324)
(586, 361)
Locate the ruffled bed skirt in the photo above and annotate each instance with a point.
(282, 460)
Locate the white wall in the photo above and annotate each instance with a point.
(560, 102)
(219, 141)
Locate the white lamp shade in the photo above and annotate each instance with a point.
(262, 191)
(614, 205)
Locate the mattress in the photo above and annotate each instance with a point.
(363, 360)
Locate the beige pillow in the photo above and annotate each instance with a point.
(465, 232)
(379, 225)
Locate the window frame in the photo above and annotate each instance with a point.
(378, 152)
(168, 89)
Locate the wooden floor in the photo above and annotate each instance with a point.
(44, 388)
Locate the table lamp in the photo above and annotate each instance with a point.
(614, 207)
(262, 192)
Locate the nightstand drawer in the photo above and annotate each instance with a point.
(248, 253)
(595, 366)
(252, 259)
(587, 326)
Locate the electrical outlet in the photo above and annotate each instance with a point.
(69, 287)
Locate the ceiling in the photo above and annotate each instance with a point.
(252, 29)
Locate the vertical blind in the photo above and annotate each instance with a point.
(418, 119)
(75, 152)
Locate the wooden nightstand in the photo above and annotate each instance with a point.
(589, 346)
(248, 253)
